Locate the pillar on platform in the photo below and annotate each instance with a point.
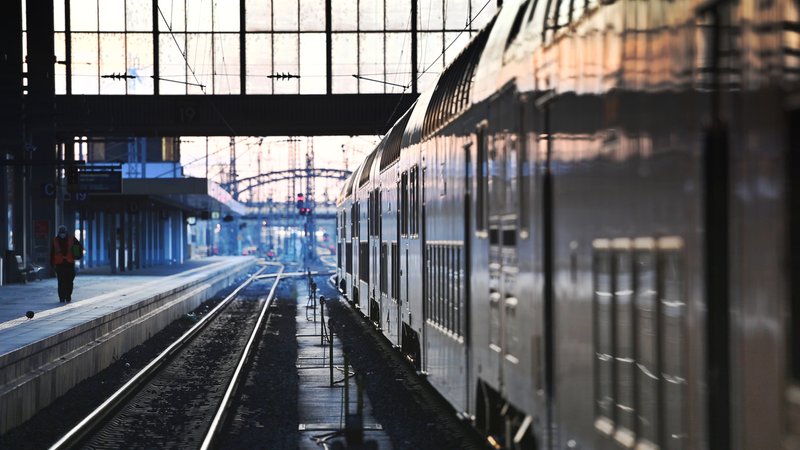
(42, 212)
(11, 126)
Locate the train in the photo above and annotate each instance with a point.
(587, 234)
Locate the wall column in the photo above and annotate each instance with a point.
(40, 215)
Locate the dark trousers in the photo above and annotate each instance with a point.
(66, 275)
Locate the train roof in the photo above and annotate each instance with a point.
(465, 81)
(452, 94)
(366, 166)
(490, 76)
(394, 141)
(347, 189)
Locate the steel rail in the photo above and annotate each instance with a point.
(294, 274)
(219, 417)
(80, 431)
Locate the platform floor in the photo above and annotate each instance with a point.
(321, 407)
(94, 296)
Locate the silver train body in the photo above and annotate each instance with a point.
(587, 235)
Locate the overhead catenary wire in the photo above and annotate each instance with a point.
(182, 52)
(468, 26)
(218, 150)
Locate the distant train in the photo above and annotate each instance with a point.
(588, 234)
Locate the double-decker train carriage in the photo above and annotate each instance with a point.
(587, 234)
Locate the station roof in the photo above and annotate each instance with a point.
(193, 194)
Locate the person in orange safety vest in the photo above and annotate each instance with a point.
(64, 251)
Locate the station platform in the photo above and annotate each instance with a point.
(321, 408)
(43, 357)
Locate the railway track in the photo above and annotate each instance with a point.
(182, 397)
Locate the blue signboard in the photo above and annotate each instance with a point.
(101, 182)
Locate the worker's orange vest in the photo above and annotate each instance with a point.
(60, 258)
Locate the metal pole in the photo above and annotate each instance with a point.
(360, 394)
(346, 386)
(330, 348)
(328, 47)
(414, 57)
(322, 320)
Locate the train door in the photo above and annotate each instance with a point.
(420, 202)
(793, 325)
(396, 267)
(716, 181)
(497, 274)
(376, 257)
(548, 307)
(407, 338)
(404, 245)
(354, 252)
(467, 292)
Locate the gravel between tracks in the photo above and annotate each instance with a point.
(175, 408)
(265, 411)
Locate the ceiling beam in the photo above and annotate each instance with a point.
(228, 115)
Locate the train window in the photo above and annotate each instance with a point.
(414, 201)
(443, 178)
(494, 236)
(564, 13)
(435, 282)
(412, 194)
(561, 13)
(443, 303)
(428, 294)
(672, 316)
(496, 177)
(510, 237)
(375, 212)
(639, 314)
(370, 214)
(459, 297)
(603, 336)
(512, 169)
(431, 282)
(343, 225)
(537, 15)
(550, 23)
(523, 173)
(384, 269)
(517, 22)
(646, 341)
(449, 322)
(481, 179)
(578, 8)
(378, 212)
(623, 348)
(395, 271)
(443, 287)
(363, 261)
(348, 260)
(404, 204)
(353, 220)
